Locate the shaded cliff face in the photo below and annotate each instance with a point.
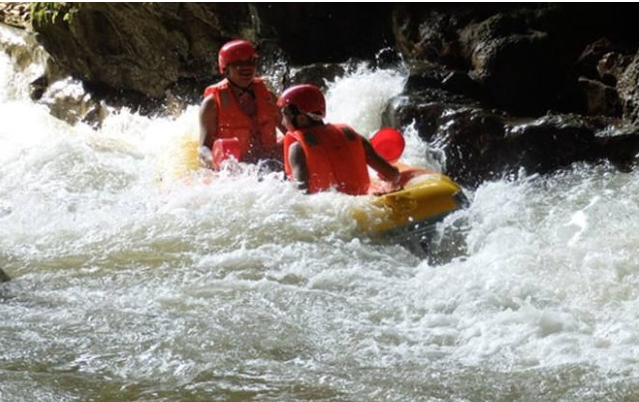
(527, 58)
(147, 48)
(503, 86)
(322, 32)
(533, 86)
(142, 48)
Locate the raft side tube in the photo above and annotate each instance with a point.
(424, 198)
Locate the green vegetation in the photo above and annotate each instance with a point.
(50, 13)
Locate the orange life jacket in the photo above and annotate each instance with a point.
(233, 122)
(335, 157)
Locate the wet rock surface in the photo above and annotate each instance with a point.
(548, 85)
(3, 276)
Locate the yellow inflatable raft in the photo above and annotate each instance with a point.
(178, 162)
(423, 198)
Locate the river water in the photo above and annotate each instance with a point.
(247, 290)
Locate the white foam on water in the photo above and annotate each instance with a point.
(247, 285)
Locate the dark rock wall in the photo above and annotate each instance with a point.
(144, 48)
(545, 85)
(327, 32)
(527, 58)
(147, 48)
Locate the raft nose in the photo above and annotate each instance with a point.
(461, 200)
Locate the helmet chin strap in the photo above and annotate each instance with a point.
(310, 121)
(314, 117)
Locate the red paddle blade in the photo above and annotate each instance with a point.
(225, 148)
(389, 144)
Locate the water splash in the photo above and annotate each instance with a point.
(359, 98)
(248, 288)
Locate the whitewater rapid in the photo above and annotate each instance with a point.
(246, 289)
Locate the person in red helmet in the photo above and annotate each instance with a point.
(240, 106)
(320, 156)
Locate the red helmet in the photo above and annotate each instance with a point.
(233, 51)
(306, 98)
